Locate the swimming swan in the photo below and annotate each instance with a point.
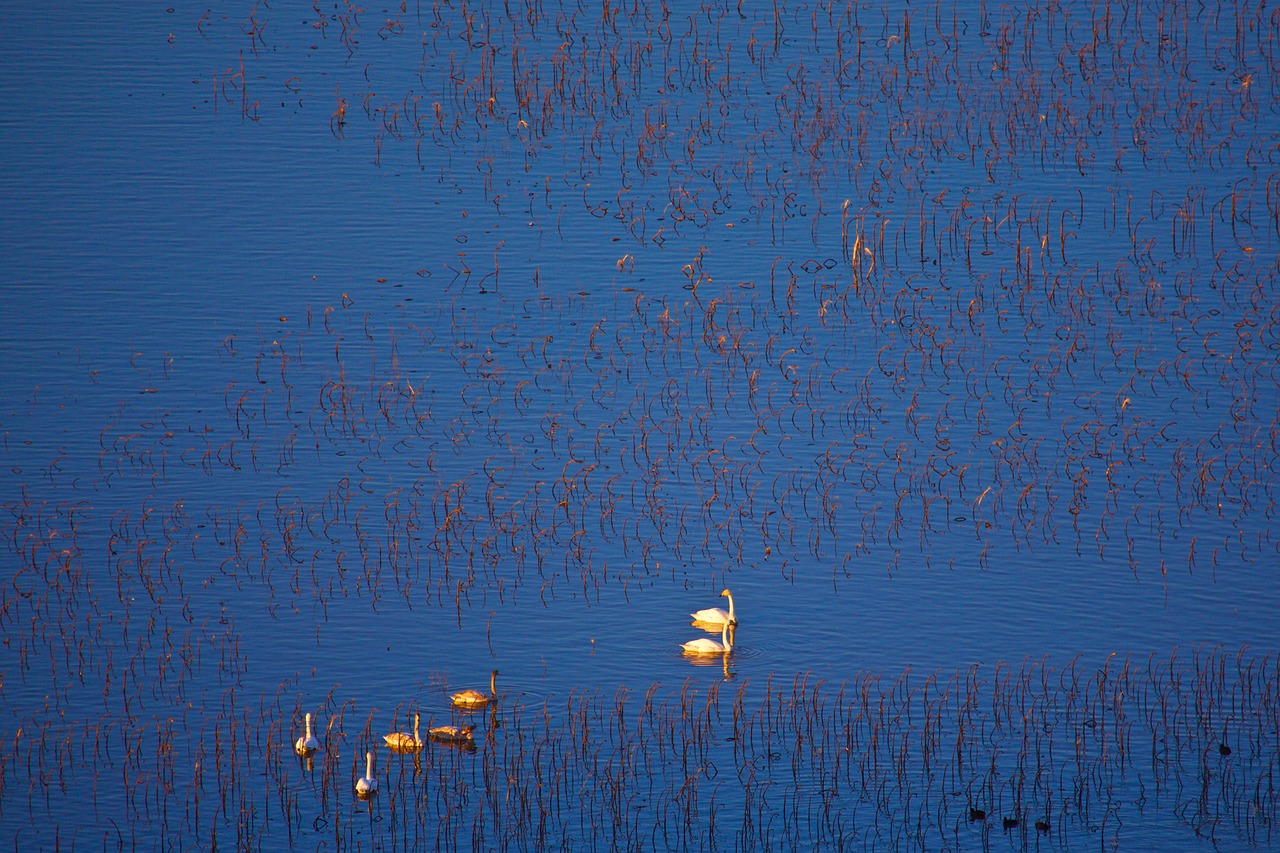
(704, 646)
(715, 615)
(306, 744)
(451, 734)
(367, 784)
(403, 741)
(474, 698)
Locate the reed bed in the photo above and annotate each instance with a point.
(1072, 752)
(849, 402)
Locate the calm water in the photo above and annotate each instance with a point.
(351, 353)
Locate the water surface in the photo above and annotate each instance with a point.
(353, 353)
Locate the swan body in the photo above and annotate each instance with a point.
(704, 646)
(403, 741)
(452, 734)
(715, 615)
(367, 784)
(470, 698)
(308, 743)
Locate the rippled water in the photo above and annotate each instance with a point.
(353, 353)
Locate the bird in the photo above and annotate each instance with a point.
(367, 784)
(470, 698)
(451, 734)
(403, 741)
(715, 615)
(307, 743)
(704, 646)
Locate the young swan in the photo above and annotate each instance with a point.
(403, 741)
(452, 734)
(367, 784)
(704, 646)
(715, 615)
(470, 698)
(308, 743)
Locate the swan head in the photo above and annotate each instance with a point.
(733, 617)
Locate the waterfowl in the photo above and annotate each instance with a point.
(367, 784)
(403, 741)
(470, 698)
(451, 734)
(308, 742)
(715, 615)
(704, 646)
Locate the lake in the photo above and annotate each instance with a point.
(354, 353)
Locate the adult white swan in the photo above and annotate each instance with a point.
(308, 743)
(403, 741)
(367, 784)
(705, 646)
(716, 616)
(470, 698)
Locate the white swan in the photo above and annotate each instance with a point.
(452, 734)
(715, 615)
(470, 698)
(306, 744)
(704, 646)
(367, 784)
(403, 741)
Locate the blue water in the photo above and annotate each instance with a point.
(351, 354)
